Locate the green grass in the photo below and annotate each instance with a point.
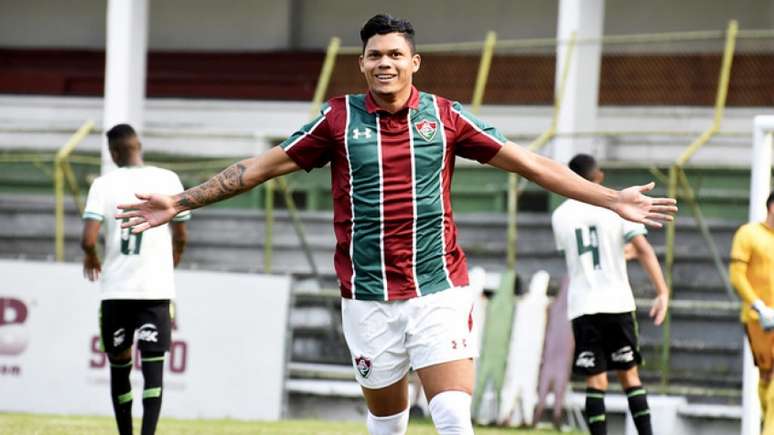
(35, 424)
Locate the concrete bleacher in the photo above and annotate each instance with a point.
(237, 128)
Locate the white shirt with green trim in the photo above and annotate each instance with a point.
(593, 240)
(135, 266)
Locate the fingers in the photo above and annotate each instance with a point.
(652, 223)
(657, 313)
(141, 196)
(647, 187)
(660, 217)
(659, 318)
(91, 274)
(141, 227)
(663, 201)
(663, 208)
(132, 206)
(134, 220)
(128, 214)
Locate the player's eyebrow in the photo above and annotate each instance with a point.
(373, 51)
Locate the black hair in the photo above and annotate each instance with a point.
(770, 199)
(119, 133)
(583, 165)
(383, 24)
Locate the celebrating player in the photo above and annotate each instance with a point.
(752, 263)
(137, 279)
(600, 300)
(402, 275)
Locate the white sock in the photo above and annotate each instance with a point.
(389, 425)
(451, 413)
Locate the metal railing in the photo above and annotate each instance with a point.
(677, 177)
(64, 173)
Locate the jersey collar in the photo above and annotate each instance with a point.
(413, 102)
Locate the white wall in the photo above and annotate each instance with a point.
(50, 360)
(265, 24)
(173, 24)
(434, 20)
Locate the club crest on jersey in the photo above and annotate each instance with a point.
(426, 129)
(363, 366)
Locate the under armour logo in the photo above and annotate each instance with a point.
(356, 133)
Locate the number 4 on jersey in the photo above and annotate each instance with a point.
(593, 245)
(130, 243)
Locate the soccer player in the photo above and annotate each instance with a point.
(752, 274)
(137, 279)
(600, 301)
(402, 275)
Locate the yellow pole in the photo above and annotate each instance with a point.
(512, 232)
(59, 180)
(483, 71)
(72, 183)
(669, 261)
(325, 76)
(725, 71)
(720, 98)
(319, 94)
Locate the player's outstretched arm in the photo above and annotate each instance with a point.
(629, 203)
(156, 209)
(649, 262)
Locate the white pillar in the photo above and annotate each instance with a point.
(125, 53)
(760, 179)
(579, 105)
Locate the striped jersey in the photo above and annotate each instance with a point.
(391, 177)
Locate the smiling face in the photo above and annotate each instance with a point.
(388, 65)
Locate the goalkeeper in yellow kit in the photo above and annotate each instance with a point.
(752, 274)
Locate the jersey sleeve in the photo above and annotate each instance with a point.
(95, 208)
(475, 139)
(310, 147)
(741, 251)
(741, 248)
(632, 230)
(176, 187)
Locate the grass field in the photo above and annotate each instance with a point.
(34, 424)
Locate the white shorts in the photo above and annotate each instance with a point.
(386, 338)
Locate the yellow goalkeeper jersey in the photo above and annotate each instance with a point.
(752, 266)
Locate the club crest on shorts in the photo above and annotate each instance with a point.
(363, 366)
(426, 129)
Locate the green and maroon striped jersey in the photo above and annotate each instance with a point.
(391, 178)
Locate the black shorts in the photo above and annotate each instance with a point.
(119, 319)
(605, 341)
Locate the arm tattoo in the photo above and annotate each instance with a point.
(226, 184)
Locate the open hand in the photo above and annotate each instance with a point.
(154, 210)
(634, 206)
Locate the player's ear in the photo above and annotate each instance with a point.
(416, 59)
(360, 63)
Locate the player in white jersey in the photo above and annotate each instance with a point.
(137, 278)
(600, 300)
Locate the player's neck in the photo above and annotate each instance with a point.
(769, 221)
(392, 102)
(132, 162)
